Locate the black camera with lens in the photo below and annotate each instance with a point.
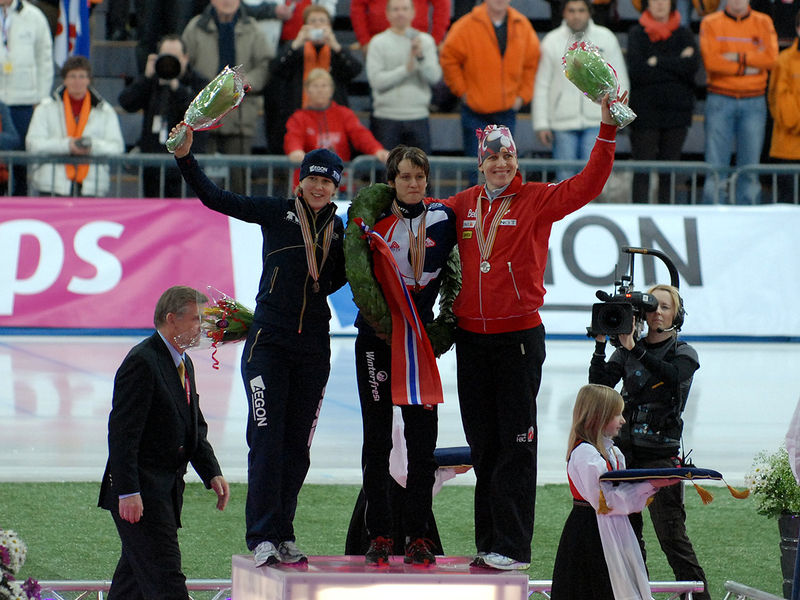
(167, 66)
(616, 314)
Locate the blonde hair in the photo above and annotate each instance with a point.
(676, 301)
(315, 74)
(595, 406)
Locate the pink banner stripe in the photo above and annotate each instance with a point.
(102, 263)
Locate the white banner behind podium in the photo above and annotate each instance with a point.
(739, 267)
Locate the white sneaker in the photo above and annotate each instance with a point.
(266, 554)
(494, 560)
(290, 554)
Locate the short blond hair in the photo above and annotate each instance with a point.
(317, 74)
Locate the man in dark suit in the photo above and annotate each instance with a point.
(155, 428)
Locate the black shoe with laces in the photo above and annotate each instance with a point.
(379, 550)
(418, 552)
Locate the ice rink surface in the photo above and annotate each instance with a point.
(55, 395)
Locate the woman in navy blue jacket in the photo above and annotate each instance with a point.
(286, 359)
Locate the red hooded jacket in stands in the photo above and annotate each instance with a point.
(336, 128)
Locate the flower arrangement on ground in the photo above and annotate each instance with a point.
(12, 556)
(773, 485)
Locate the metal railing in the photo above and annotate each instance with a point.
(274, 175)
(60, 590)
(738, 591)
(675, 589)
(453, 174)
(222, 588)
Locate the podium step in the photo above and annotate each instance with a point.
(348, 578)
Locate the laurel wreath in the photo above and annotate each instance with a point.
(368, 204)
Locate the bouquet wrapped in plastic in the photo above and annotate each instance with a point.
(223, 320)
(225, 92)
(585, 67)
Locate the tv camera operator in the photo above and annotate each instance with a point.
(656, 373)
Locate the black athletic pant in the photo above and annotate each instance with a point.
(285, 376)
(498, 380)
(373, 372)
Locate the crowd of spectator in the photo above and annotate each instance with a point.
(484, 55)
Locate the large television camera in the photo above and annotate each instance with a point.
(622, 312)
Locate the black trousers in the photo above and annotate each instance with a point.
(655, 144)
(284, 376)
(393, 132)
(669, 521)
(498, 380)
(373, 372)
(149, 567)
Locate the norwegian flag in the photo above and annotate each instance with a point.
(72, 34)
(415, 376)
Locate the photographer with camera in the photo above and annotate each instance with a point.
(163, 92)
(656, 373)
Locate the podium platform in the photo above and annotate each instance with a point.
(348, 578)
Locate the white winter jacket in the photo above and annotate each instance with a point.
(47, 134)
(28, 53)
(557, 104)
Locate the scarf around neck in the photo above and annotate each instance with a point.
(656, 30)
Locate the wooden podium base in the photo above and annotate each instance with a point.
(348, 578)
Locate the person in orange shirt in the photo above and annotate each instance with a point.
(489, 60)
(784, 104)
(739, 47)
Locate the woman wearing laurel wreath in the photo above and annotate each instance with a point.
(419, 235)
(503, 229)
(286, 359)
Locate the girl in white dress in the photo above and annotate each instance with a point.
(598, 556)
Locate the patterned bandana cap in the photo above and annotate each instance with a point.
(492, 139)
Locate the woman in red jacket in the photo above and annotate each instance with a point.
(322, 123)
(503, 228)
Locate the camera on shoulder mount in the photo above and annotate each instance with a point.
(616, 314)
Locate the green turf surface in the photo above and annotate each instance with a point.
(68, 537)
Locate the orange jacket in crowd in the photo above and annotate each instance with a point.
(752, 37)
(784, 104)
(472, 65)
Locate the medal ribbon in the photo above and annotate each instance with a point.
(485, 245)
(416, 244)
(309, 241)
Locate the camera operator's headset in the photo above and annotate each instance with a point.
(680, 316)
(674, 280)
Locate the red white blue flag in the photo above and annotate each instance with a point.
(415, 376)
(72, 33)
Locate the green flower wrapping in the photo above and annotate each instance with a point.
(586, 68)
(225, 92)
(369, 203)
